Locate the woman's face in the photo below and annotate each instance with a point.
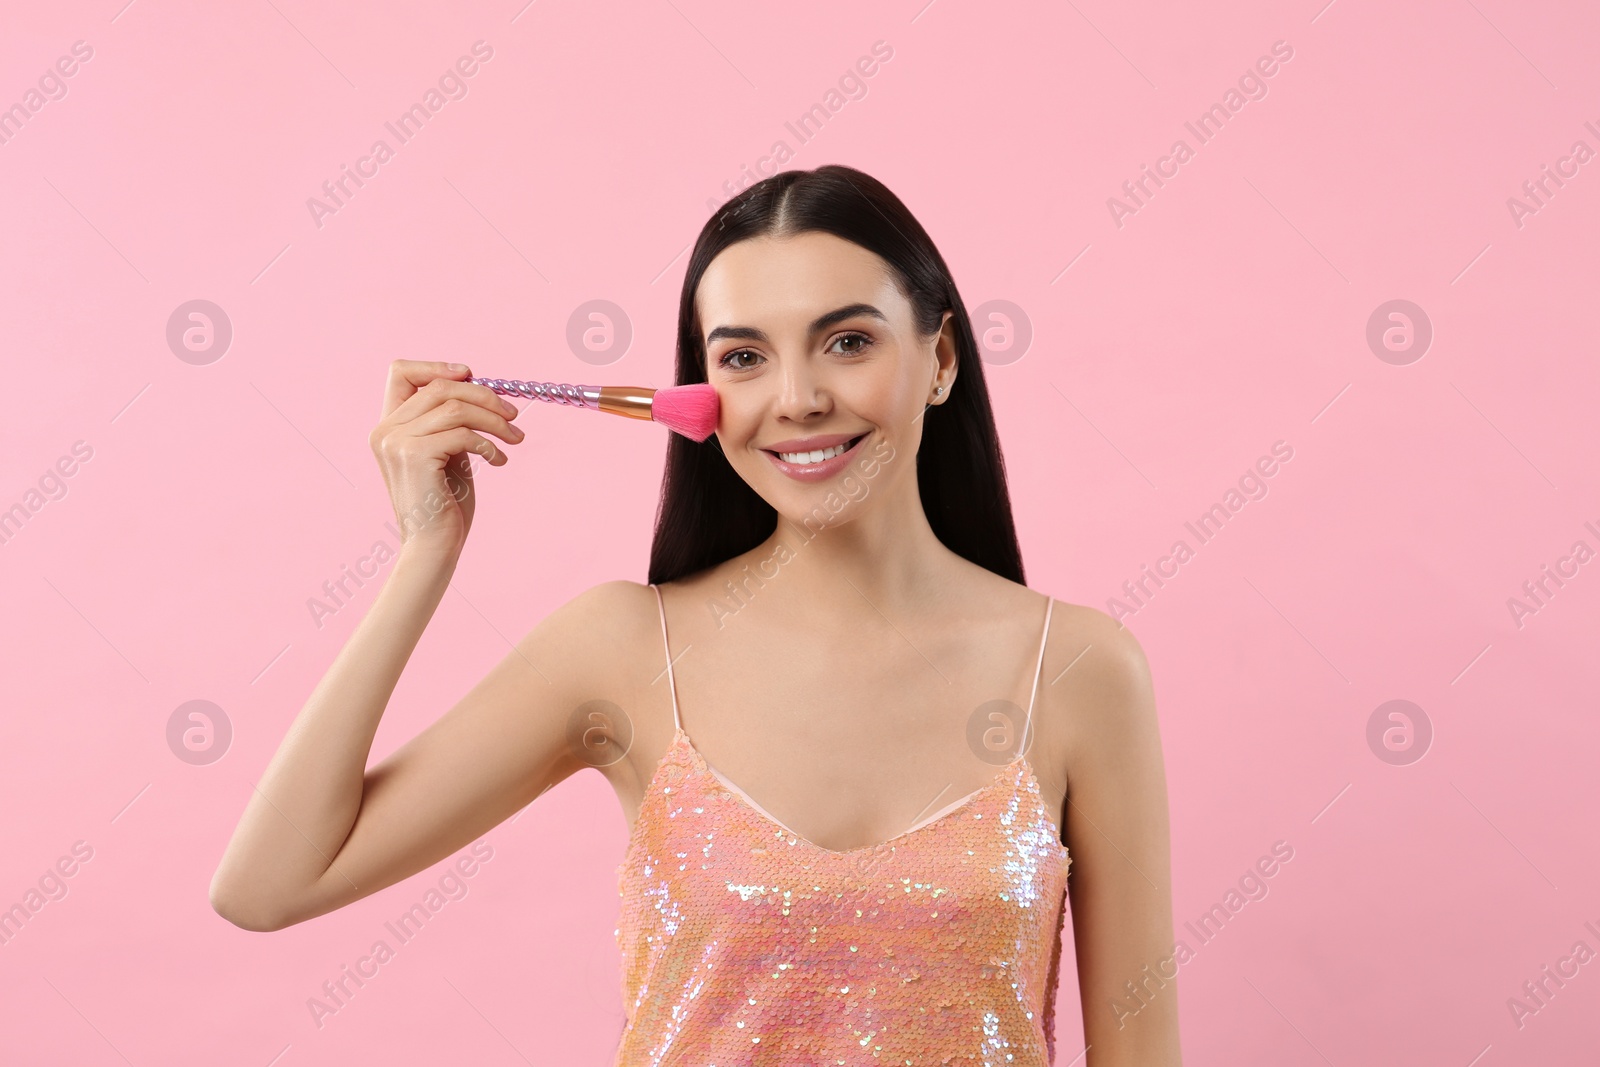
(812, 349)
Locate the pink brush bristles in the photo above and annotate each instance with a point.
(687, 409)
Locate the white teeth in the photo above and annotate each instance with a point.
(816, 456)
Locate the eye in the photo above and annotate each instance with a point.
(865, 342)
(726, 357)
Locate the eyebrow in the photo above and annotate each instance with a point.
(822, 322)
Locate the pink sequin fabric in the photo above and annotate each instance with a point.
(743, 943)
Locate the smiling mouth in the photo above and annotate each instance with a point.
(804, 459)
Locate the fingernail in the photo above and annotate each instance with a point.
(459, 368)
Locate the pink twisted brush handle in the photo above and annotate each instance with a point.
(581, 396)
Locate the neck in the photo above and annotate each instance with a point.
(842, 553)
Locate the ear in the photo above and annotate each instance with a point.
(944, 352)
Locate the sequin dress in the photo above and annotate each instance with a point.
(745, 944)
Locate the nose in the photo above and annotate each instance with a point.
(801, 394)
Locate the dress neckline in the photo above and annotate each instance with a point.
(1006, 776)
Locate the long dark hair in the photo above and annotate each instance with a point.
(708, 514)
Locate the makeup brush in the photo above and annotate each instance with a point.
(690, 410)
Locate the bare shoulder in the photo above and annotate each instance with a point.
(619, 612)
(607, 626)
(1094, 646)
(1096, 694)
(606, 641)
(596, 645)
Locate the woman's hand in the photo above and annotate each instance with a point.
(424, 443)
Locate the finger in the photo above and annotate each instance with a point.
(439, 391)
(461, 439)
(457, 412)
(406, 376)
(458, 474)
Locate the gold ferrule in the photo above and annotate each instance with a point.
(629, 400)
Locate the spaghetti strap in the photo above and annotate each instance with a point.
(1050, 604)
(672, 682)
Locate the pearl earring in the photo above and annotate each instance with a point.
(938, 390)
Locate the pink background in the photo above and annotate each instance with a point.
(1167, 356)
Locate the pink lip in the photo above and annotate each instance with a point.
(809, 444)
(816, 472)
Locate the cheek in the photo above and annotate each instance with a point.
(892, 404)
(882, 398)
(737, 424)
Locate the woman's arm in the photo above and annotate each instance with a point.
(322, 831)
(1121, 880)
(319, 830)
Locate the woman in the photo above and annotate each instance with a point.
(861, 855)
